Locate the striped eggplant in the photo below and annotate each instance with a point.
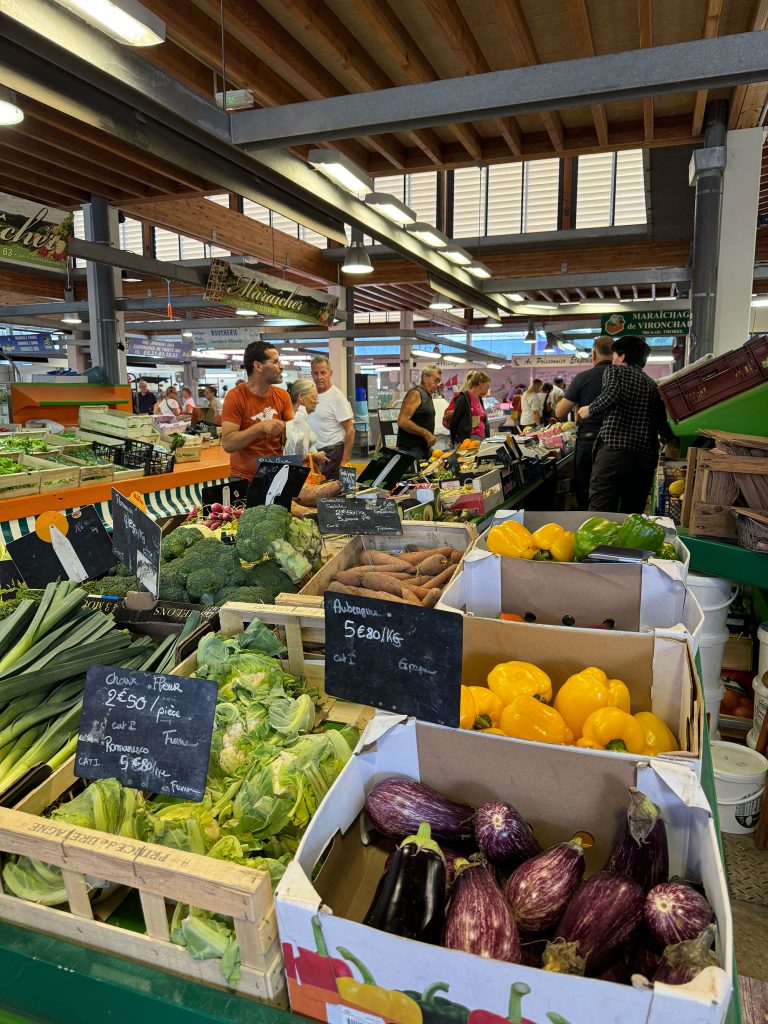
(600, 919)
(503, 835)
(675, 912)
(681, 962)
(540, 889)
(642, 852)
(479, 919)
(397, 807)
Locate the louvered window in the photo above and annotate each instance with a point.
(610, 189)
(166, 244)
(540, 195)
(256, 211)
(469, 198)
(220, 200)
(313, 237)
(130, 235)
(79, 229)
(421, 195)
(191, 248)
(505, 199)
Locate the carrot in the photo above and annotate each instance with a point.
(442, 578)
(340, 588)
(374, 557)
(432, 565)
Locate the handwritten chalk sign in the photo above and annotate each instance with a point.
(376, 517)
(398, 657)
(347, 479)
(150, 731)
(136, 541)
(276, 483)
(38, 562)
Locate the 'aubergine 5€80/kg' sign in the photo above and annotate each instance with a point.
(31, 233)
(243, 288)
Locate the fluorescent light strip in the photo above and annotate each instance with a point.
(341, 170)
(423, 354)
(391, 208)
(457, 255)
(478, 269)
(758, 301)
(454, 359)
(127, 21)
(495, 366)
(427, 234)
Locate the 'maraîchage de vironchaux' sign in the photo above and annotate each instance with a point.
(657, 323)
(33, 233)
(243, 288)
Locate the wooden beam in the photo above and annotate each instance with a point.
(748, 101)
(11, 173)
(404, 49)
(175, 60)
(585, 47)
(51, 170)
(645, 17)
(454, 28)
(200, 218)
(511, 16)
(711, 24)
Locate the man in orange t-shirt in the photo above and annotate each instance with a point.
(254, 413)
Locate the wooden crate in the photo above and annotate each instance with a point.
(88, 472)
(701, 516)
(18, 485)
(103, 420)
(53, 476)
(457, 535)
(159, 873)
(125, 473)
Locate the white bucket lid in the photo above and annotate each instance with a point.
(714, 640)
(696, 579)
(734, 763)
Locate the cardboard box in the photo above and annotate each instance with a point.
(559, 791)
(586, 595)
(486, 494)
(573, 520)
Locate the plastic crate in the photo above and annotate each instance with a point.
(716, 380)
(132, 446)
(111, 452)
(159, 462)
(668, 505)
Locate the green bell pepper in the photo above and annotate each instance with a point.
(592, 534)
(641, 533)
(667, 551)
(435, 1009)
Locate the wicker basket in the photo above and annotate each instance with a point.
(752, 528)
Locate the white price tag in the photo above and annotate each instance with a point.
(338, 1014)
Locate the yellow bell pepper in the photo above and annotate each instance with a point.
(494, 731)
(614, 729)
(512, 540)
(585, 692)
(467, 709)
(529, 719)
(659, 738)
(395, 1007)
(488, 707)
(588, 744)
(546, 536)
(510, 679)
(562, 548)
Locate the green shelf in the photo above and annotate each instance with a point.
(746, 413)
(719, 558)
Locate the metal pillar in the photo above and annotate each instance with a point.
(706, 172)
(349, 306)
(101, 227)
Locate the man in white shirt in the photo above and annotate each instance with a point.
(332, 420)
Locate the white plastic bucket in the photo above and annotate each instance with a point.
(715, 596)
(762, 657)
(711, 651)
(740, 781)
(712, 699)
(761, 703)
(752, 738)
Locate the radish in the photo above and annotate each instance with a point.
(217, 507)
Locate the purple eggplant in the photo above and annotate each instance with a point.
(644, 952)
(600, 918)
(479, 919)
(675, 912)
(681, 962)
(642, 852)
(398, 806)
(541, 888)
(503, 835)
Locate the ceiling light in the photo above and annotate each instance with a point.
(514, 296)
(478, 269)
(187, 334)
(341, 170)
(455, 359)
(495, 366)
(491, 322)
(127, 21)
(246, 312)
(391, 208)
(427, 234)
(457, 255)
(760, 300)
(357, 260)
(661, 359)
(288, 348)
(129, 277)
(531, 335)
(440, 302)
(71, 318)
(542, 305)
(10, 113)
(581, 354)
(567, 346)
(422, 353)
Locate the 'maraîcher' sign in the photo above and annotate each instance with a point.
(244, 288)
(32, 233)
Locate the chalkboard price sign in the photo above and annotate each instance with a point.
(347, 479)
(136, 541)
(377, 517)
(152, 732)
(394, 656)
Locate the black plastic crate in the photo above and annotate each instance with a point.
(159, 462)
(133, 460)
(137, 447)
(111, 452)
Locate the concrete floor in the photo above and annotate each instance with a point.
(750, 926)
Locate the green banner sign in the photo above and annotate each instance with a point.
(31, 233)
(243, 288)
(655, 323)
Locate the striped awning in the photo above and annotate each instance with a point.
(170, 502)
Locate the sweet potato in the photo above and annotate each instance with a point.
(388, 567)
(442, 578)
(374, 557)
(340, 588)
(433, 596)
(421, 593)
(431, 566)
(371, 581)
(417, 557)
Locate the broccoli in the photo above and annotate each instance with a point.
(264, 531)
(177, 543)
(112, 586)
(207, 567)
(268, 576)
(247, 595)
(171, 584)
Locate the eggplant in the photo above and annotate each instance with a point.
(540, 889)
(600, 919)
(398, 806)
(644, 952)
(642, 853)
(675, 912)
(503, 835)
(479, 919)
(681, 962)
(410, 898)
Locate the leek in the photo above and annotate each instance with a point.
(58, 602)
(45, 746)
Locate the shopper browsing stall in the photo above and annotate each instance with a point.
(254, 415)
(145, 399)
(169, 403)
(332, 420)
(532, 405)
(416, 421)
(188, 404)
(466, 414)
